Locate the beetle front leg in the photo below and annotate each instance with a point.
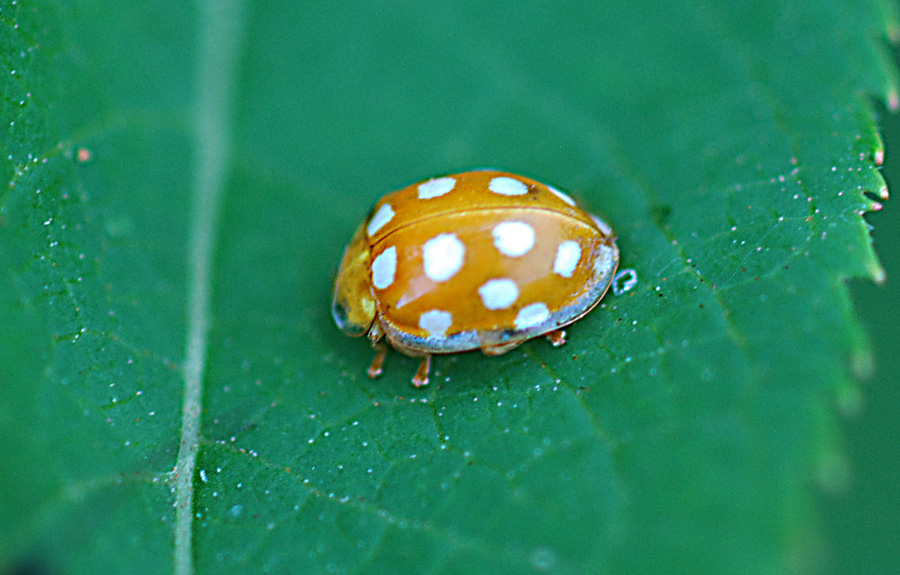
(376, 367)
(375, 334)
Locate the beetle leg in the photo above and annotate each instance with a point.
(375, 335)
(421, 377)
(557, 338)
(499, 348)
(378, 361)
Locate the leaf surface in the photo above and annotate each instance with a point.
(686, 423)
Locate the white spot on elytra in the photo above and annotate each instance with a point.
(443, 257)
(381, 217)
(567, 255)
(604, 227)
(507, 187)
(435, 188)
(564, 197)
(436, 322)
(531, 315)
(499, 293)
(384, 267)
(513, 238)
(606, 261)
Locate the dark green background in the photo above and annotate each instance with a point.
(864, 521)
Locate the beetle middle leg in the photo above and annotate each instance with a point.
(421, 377)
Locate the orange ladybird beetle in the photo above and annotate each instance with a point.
(478, 260)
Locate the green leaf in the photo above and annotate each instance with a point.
(181, 185)
(861, 520)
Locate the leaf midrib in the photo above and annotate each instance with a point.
(219, 40)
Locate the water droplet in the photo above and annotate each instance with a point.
(543, 559)
(624, 281)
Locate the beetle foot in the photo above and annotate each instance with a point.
(557, 338)
(376, 367)
(421, 377)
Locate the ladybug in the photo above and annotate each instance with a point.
(478, 260)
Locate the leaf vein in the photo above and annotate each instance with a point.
(219, 51)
